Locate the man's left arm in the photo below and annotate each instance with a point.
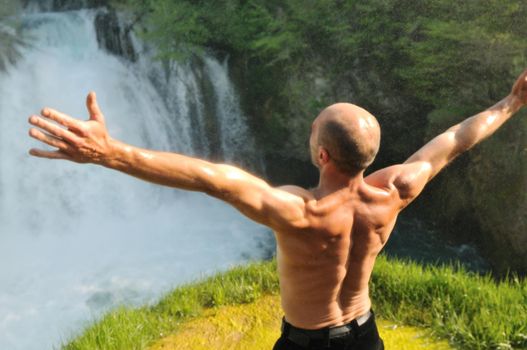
(89, 142)
(408, 180)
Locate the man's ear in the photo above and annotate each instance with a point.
(323, 156)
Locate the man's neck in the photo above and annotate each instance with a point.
(332, 180)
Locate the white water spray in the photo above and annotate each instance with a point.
(77, 240)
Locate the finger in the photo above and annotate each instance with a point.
(48, 139)
(53, 129)
(93, 108)
(61, 118)
(49, 154)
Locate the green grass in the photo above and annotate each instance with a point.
(256, 326)
(470, 311)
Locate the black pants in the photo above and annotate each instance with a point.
(365, 337)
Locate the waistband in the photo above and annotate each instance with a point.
(303, 337)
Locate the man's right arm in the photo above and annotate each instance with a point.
(410, 178)
(89, 142)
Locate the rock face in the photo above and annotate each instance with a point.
(498, 175)
(66, 5)
(77, 4)
(113, 36)
(484, 200)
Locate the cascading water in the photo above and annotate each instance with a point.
(77, 240)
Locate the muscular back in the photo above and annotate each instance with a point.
(325, 266)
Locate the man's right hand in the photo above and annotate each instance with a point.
(75, 140)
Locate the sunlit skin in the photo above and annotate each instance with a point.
(328, 237)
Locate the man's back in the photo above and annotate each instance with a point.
(325, 267)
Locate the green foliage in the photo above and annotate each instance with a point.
(471, 311)
(9, 8)
(400, 58)
(9, 32)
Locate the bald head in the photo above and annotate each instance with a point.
(350, 135)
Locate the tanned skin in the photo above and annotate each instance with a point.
(328, 237)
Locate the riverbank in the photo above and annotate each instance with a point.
(467, 310)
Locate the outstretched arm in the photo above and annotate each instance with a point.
(89, 142)
(410, 178)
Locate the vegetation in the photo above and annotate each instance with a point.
(256, 326)
(471, 312)
(9, 33)
(426, 56)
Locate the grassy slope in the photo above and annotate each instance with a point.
(256, 326)
(471, 312)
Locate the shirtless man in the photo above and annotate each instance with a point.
(328, 237)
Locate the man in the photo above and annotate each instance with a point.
(328, 237)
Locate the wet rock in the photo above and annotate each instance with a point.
(66, 5)
(63, 5)
(498, 176)
(114, 36)
(484, 201)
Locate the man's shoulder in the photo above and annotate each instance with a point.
(404, 180)
(384, 178)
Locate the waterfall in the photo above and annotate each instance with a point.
(77, 240)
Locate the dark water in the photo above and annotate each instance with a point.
(420, 241)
